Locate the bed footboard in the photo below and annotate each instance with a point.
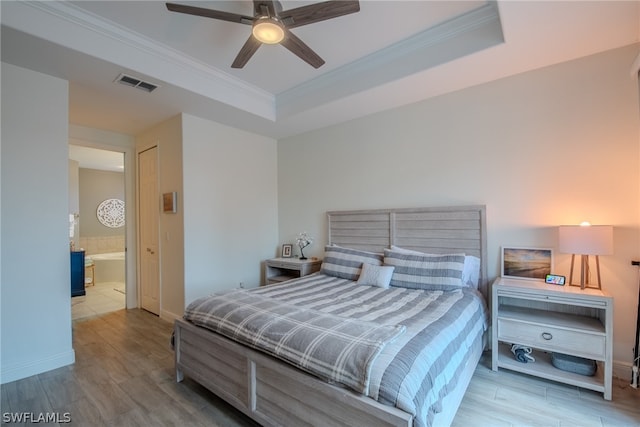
(271, 392)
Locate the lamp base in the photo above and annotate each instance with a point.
(584, 273)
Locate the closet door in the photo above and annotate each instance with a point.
(149, 208)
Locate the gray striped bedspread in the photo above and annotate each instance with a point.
(335, 348)
(418, 368)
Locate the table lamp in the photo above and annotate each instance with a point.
(585, 240)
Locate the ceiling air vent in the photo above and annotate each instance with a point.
(137, 83)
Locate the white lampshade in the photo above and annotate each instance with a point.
(586, 239)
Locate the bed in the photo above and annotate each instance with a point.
(272, 391)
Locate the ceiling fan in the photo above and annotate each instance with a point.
(271, 25)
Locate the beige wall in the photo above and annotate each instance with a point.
(95, 187)
(554, 146)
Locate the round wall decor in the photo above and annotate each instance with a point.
(111, 213)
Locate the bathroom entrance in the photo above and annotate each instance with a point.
(97, 228)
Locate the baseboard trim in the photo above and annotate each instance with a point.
(172, 317)
(19, 371)
(622, 370)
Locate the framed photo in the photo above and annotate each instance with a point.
(527, 263)
(287, 250)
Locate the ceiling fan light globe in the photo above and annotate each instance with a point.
(268, 31)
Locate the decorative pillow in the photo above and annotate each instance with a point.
(428, 272)
(375, 275)
(470, 271)
(346, 263)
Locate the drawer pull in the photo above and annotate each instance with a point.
(547, 336)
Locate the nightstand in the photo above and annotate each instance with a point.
(278, 270)
(551, 318)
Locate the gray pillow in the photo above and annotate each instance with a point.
(346, 263)
(426, 271)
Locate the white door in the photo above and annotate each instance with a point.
(148, 225)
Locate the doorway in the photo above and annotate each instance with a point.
(98, 229)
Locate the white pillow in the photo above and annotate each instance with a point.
(470, 270)
(375, 275)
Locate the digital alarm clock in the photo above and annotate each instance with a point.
(554, 279)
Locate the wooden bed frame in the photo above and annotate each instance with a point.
(274, 393)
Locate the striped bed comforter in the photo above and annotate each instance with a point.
(416, 370)
(336, 348)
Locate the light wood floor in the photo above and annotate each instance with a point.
(123, 376)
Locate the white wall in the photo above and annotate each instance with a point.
(226, 224)
(554, 146)
(35, 280)
(230, 206)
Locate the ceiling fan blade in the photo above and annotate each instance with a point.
(300, 49)
(250, 47)
(208, 13)
(318, 12)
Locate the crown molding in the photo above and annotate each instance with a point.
(76, 28)
(117, 44)
(469, 33)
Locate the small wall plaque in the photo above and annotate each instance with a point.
(110, 213)
(170, 202)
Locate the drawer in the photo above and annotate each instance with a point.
(281, 264)
(574, 342)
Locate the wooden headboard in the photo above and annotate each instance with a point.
(449, 229)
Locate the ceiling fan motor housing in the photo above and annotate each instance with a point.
(268, 30)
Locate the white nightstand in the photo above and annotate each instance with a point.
(551, 318)
(278, 270)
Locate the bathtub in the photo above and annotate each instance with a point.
(109, 267)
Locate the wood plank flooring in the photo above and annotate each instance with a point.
(123, 376)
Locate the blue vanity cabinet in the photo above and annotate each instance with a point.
(77, 273)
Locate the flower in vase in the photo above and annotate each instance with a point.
(303, 241)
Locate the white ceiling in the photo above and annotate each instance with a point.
(389, 54)
(92, 158)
